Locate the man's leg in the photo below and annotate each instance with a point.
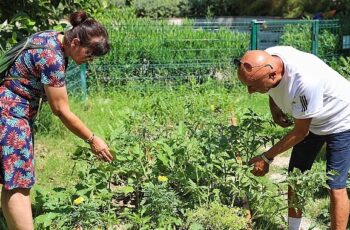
(339, 208)
(294, 215)
(303, 156)
(16, 207)
(292, 212)
(338, 160)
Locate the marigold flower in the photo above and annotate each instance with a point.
(162, 178)
(79, 200)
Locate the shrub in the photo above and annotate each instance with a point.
(217, 216)
(18, 19)
(300, 36)
(342, 66)
(175, 150)
(160, 8)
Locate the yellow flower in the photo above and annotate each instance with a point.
(79, 200)
(212, 108)
(162, 178)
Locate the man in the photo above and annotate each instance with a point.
(318, 99)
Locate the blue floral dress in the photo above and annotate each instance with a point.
(19, 103)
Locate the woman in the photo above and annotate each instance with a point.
(36, 74)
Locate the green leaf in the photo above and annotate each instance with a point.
(121, 158)
(164, 159)
(196, 226)
(31, 22)
(126, 190)
(46, 219)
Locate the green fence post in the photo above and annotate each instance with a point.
(83, 81)
(314, 38)
(254, 35)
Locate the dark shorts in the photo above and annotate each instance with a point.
(338, 156)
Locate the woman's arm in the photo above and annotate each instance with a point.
(58, 100)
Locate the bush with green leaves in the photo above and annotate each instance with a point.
(175, 149)
(159, 208)
(174, 152)
(300, 36)
(88, 204)
(328, 44)
(305, 185)
(342, 65)
(217, 216)
(160, 8)
(19, 19)
(286, 8)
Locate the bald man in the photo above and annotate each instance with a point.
(318, 99)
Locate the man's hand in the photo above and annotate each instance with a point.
(281, 119)
(278, 116)
(260, 166)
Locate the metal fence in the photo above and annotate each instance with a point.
(322, 38)
(76, 80)
(160, 50)
(345, 25)
(165, 51)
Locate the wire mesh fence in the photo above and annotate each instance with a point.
(183, 50)
(167, 51)
(76, 80)
(321, 38)
(345, 31)
(159, 50)
(329, 42)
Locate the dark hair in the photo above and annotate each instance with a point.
(90, 33)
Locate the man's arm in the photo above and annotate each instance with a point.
(299, 132)
(278, 116)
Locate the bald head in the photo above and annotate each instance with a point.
(260, 71)
(253, 58)
(256, 57)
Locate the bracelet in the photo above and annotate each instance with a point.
(89, 141)
(266, 159)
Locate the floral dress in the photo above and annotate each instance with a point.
(20, 95)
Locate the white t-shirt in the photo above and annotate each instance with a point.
(311, 89)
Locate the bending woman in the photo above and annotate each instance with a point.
(35, 74)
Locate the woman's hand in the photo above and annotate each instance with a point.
(100, 148)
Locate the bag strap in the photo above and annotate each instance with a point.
(10, 56)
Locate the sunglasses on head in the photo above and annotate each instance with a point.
(248, 67)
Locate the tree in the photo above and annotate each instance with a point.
(20, 18)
